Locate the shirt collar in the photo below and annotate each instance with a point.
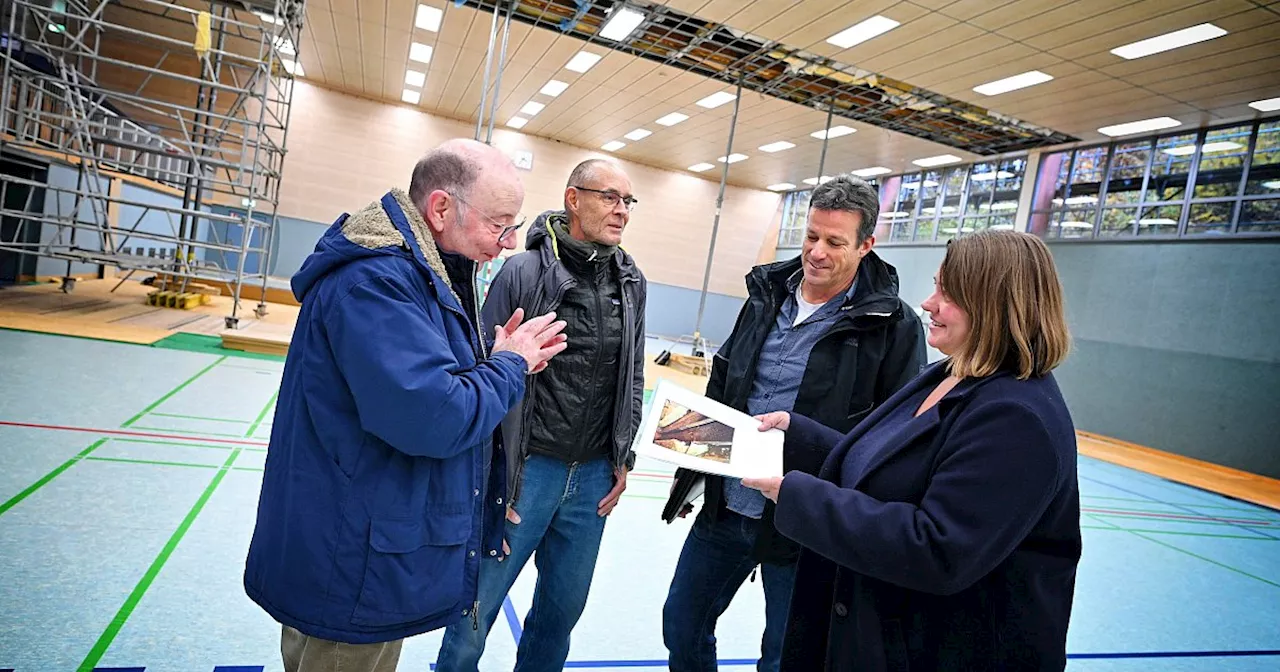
(793, 284)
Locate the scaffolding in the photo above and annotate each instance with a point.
(190, 99)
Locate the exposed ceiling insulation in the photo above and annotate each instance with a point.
(720, 52)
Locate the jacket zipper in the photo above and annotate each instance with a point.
(600, 344)
(526, 411)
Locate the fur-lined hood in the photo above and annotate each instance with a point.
(372, 230)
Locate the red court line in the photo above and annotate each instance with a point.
(121, 432)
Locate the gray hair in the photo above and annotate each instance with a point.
(444, 169)
(850, 194)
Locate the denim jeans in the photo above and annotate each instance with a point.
(560, 528)
(716, 559)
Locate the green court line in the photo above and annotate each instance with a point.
(1256, 509)
(13, 501)
(1178, 533)
(1217, 523)
(183, 444)
(174, 391)
(257, 469)
(193, 433)
(197, 417)
(127, 460)
(126, 610)
(262, 416)
(1211, 561)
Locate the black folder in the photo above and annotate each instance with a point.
(689, 486)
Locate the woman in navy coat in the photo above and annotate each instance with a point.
(943, 532)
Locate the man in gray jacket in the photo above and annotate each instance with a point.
(568, 445)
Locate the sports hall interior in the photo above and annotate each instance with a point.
(167, 165)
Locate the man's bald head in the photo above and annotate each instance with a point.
(468, 193)
(454, 167)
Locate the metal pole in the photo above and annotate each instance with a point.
(826, 137)
(488, 63)
(502, 59)
(715, 226)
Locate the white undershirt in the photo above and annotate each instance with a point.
(804, 309)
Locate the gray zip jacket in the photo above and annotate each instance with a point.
(537, 281)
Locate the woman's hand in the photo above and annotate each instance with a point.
(775, 420)
(768, 486)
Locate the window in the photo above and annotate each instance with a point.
(1218, 181)
(795, 217)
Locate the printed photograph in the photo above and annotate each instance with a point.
(693, 434)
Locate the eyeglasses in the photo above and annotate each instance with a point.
(503, 231)
(612, 198)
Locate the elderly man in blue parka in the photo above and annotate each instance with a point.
(383, 483)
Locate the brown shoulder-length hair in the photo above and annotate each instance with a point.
(1007, 284)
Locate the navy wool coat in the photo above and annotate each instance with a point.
(952, 547)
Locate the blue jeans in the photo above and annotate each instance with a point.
(560, 528)
(716, 559)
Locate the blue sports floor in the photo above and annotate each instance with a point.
(129, 484)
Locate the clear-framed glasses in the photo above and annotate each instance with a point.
(612, 198)
(503, 230)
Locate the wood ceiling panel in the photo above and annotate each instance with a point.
(463, 26)
(401, 13)
(974, 48)
(958, 80)
(320, 25)
(995, 21)
(1262, 64)
(965, 10)
(1121, 25)
(373, 41)
(347, 8)
(1243, 46)
(910, 40)
(1102, 40)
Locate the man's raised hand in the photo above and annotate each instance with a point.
(537, 340)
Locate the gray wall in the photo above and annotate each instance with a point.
(1176, 345)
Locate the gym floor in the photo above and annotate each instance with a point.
(130, 483)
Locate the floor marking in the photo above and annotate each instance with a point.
(513, 620)
(174, 391)
(1185, 551)
(13, 501)
(126, 610)
(120, 432)
(262, 416)
(197, 417)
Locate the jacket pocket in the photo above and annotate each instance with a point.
(414, 568)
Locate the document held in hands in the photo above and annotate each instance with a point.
(691, 431)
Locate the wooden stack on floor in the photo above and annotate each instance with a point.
(259, 337)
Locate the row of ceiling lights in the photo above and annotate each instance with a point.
(427, 18)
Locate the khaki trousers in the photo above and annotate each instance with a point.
(303, 653)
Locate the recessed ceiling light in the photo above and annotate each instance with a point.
(1178, 38)
(672, 119)
(428, 18)
(894, 215)
(1142, 126)
(621, 23)
(1013, 83)
(781, 186)
(863, 31)
(716, 99)
(531, 108)
(733, 158)
(776, 146)
(410, 96)
(813, 180)
(1271, 184)
(991, 175)
(419, 52)
(553, 88)
(1209, 147)
(415, 78)
(835, 132)
(638, 134)
(940, 160)
(1268, 105)
(613, 146)
(872, 172)
(582, 61)
(517, 122)
(699, 167)
(292, 67)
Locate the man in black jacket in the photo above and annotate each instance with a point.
(568, 445)
(825, 336)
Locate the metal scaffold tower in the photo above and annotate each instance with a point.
(192, 98)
